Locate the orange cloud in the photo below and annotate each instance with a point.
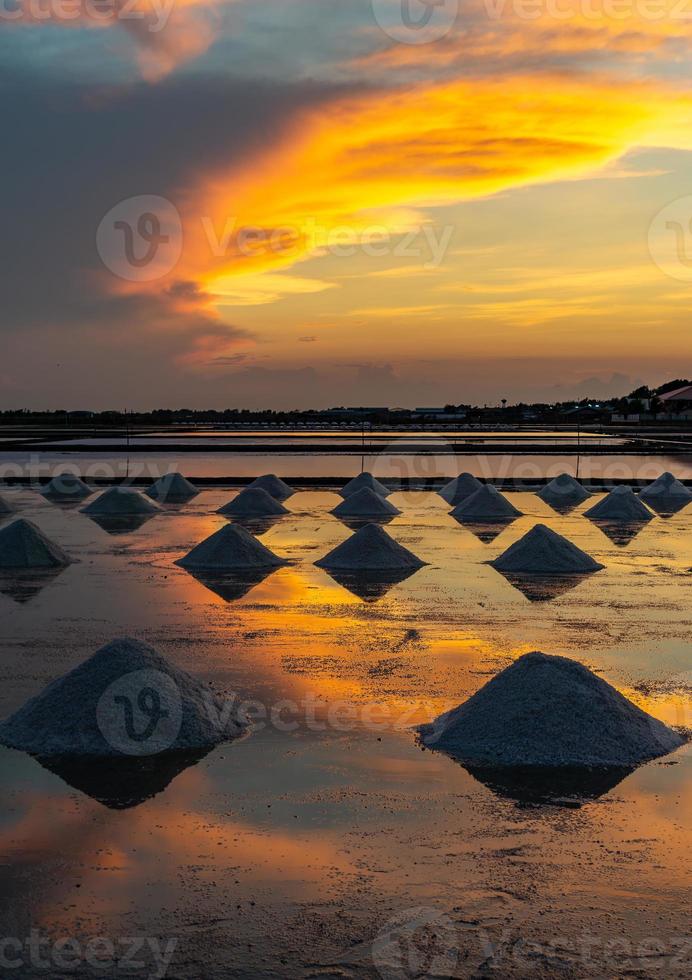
(357, 170)
(547, 30)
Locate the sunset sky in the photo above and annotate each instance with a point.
(370, 212)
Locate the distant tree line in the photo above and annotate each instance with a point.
(641, 400)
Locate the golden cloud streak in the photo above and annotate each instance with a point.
(355, 171)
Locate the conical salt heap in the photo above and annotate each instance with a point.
(5, 507)
(486, 504)
(547, 711)
(253, 502)
(230, 549)
(120, 502)
(365, 503)
(370, 549)
(666, 493)
(66, 486)
(544, 552)
(460, 488)
(620, 505)
(563, 491)
(23, 545)
(104, 707)
(273, 485)
(172, 488)
(364, 480)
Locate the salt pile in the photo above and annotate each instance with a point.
(563, 491)
(66, 486)
(460, 488)
(274, 486)
(231, 548)
(23, 545)
(486, 504)
(120, 502)
(365, 503)
(370, 549)
(666, 493)
(544, 552)
(549, 711)
(172, 488)
(364, 480)
(620, 505)
(5, 506)
(253, 502)
(103, 707)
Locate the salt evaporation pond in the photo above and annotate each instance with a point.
(297, 848)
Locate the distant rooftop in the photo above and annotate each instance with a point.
(678, 395)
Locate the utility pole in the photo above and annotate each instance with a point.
(127, 443)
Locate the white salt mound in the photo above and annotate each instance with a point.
(230, 549)
(172, 488)
(549, 711)
(544, 552)
(370, 549)
(620, 505)
(68, 486)
(23, 545)
(70, 718)
(666, 490)
(364, 480)
(120, 502)
(563, 491)
(5, 506)
(274, 486)
(365, 503)
(460, 488)
(486, 504)
(253, 502)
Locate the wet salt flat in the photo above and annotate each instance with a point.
(384, 462)
(309, 848)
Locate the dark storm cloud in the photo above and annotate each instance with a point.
(70, 153)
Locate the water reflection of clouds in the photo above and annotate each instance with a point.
(297, 633)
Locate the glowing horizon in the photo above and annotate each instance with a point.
(356, 219)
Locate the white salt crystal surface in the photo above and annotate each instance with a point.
(549, 711)
(85, 713)
(543, 551)
(231, 548)
(370, 549)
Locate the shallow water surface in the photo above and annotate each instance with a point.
(326, 843)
